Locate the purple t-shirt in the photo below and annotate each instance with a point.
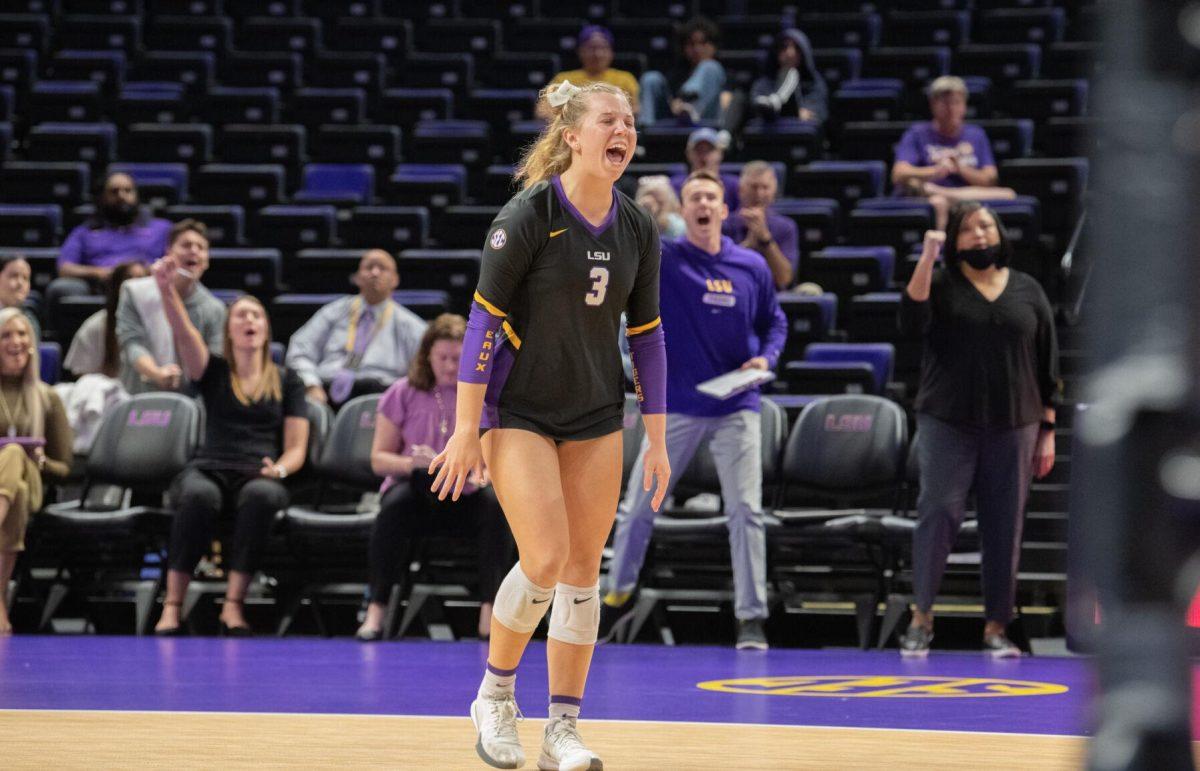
(782, 229)
(718, 311)
(730, 181)
(421, 417)
(922, 145)
(144, 241)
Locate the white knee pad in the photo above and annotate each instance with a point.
(520, 603)
(576, 615)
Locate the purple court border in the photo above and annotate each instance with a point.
(631, 682)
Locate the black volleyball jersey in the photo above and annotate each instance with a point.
(561, 285)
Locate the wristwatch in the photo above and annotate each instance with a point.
(281, 470)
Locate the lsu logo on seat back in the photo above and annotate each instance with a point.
(883, 687)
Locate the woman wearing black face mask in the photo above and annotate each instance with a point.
(985, 410)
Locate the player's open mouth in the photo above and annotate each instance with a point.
(616, 154)
(703, 220)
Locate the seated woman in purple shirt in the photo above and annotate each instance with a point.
(414, 422)
(947, 160)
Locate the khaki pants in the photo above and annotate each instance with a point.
(21, 484)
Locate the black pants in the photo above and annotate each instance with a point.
(408, 511)
(202, 498)
(998, 463)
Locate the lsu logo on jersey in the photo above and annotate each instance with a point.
(884, 687)
(499, 238)
(601, 256)
(721, 285)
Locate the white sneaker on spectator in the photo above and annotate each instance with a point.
(495, 721)
(563, 749)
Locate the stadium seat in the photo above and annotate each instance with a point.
(454, 271)
(6, 134)
(481, 38)
(1045, 99)
(406, 107)
(245, 10)
(196, 70)
(432, 70)
(787, 140)
(279, 144)
(833, 30)
(65, 101)
(225, 224)
(65, 184)
(844, 181)
(344, 69)
(1058, 183)
(1070, 59)
(104, 67)
(92, 143)
(99, 543)
(329, 542)
(871, 140)
(520, 70)
(376, 145)
(500, 108)
(926, 28)
(1020, 25)
(549, 35)
(463, 227)
(159, 184)
(190, 33)
(296, 227)
(899, 228)
(261, 69)
(30, 224)
(748, 33)
(742, 68)
(324, 270)
(183, 143)
(859, 104)
(1004, 64)
(267, 33)
(225, 104)
(329, 10)
(452, 141)
(96, 32)
(50, 362)
(880, 356)
(838, 65)
(498, 185)
(152, 102)
(1010, 138)
(337, 183)
(810, 320)
(391, 228)
(916, 66)
(186, 7)
(18, 68)
(850, 270)
(1067, 137)
(250, 185)
(319, 106)
(392, 37)
(255, 271)
(25, 30)
(818, 222)
(436, 185)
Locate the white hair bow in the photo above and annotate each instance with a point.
(562, 94)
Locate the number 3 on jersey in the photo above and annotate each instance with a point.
(599, 278)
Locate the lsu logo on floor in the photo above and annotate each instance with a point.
(883, 687)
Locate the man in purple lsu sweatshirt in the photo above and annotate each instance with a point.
(719, 313)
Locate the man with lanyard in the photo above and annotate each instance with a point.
(358, 344)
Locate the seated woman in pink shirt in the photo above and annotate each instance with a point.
(414, 421)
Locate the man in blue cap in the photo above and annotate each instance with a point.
(705, 151)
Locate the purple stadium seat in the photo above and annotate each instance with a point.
(337, 182)
(30, 224)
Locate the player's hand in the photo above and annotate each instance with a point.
(456, 465)
(758, 362)
(657, 468)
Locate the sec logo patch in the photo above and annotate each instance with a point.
(499, 238)
(884, 687)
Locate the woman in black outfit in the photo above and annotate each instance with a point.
(985, 410)
(256, 435)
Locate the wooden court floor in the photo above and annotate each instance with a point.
(64, 739)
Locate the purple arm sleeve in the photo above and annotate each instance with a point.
(479, 345)
(649, 354)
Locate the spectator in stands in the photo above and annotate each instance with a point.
(594, 45)
(149, 359)
(119, 230)
(358, 344)
(655, 195)
(985, 411)
(37, 444)
(95, 349)
(692, 91)
(416, 418)
(793, 89)
(705, 151)
(947, 160)
(720, 313)
(255, 437)
(15, 277)
(756, 227)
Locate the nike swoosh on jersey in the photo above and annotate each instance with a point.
(539, 602)
(554, 233)
(577, 601)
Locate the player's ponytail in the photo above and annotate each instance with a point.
(566, 105)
